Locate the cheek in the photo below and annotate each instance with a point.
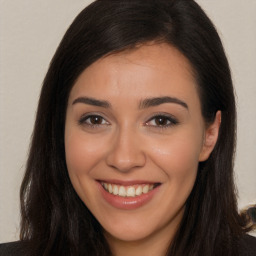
(178, 158)
(82, 152)
(82, 155)
(180, 152)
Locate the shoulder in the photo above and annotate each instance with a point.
(247, 246)
(12, 249)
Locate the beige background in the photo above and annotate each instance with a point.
(30, 31)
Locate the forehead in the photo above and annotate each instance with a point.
(145, 71)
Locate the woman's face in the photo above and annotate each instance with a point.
(134, 136)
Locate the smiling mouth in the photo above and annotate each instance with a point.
(128, 191)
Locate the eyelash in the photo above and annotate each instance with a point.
(83, 120)
(166, 118)
(171, 121)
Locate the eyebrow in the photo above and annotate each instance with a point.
(92, 101)
(146, 103)
(151, 102)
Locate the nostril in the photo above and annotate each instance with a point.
(125, 160)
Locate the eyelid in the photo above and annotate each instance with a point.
(173, 120)
(84, 117)
(170, 118)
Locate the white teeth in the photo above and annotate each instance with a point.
(115, 190)
(110, 188)
(121, 191)
(129, 191)
(138, 191)
(145, 189)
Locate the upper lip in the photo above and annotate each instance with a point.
(128, 182)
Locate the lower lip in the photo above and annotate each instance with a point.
(127, 203)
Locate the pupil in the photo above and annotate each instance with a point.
(161, 121)
(96, 120)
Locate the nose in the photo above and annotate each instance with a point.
(126, 151)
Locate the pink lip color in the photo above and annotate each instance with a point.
(127, 203)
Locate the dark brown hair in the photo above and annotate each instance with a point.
(54, 219)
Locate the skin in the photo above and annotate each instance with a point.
(129, 142)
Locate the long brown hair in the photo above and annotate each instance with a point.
(54, 219)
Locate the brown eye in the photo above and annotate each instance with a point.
(162, 121)
(93, 120)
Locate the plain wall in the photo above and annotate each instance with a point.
(29, 35)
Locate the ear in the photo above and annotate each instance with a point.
(210, 138)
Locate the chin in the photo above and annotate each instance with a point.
(128, 234)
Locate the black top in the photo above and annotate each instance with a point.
(11, 249)
(246, 247)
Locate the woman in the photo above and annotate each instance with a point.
(132, 150)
